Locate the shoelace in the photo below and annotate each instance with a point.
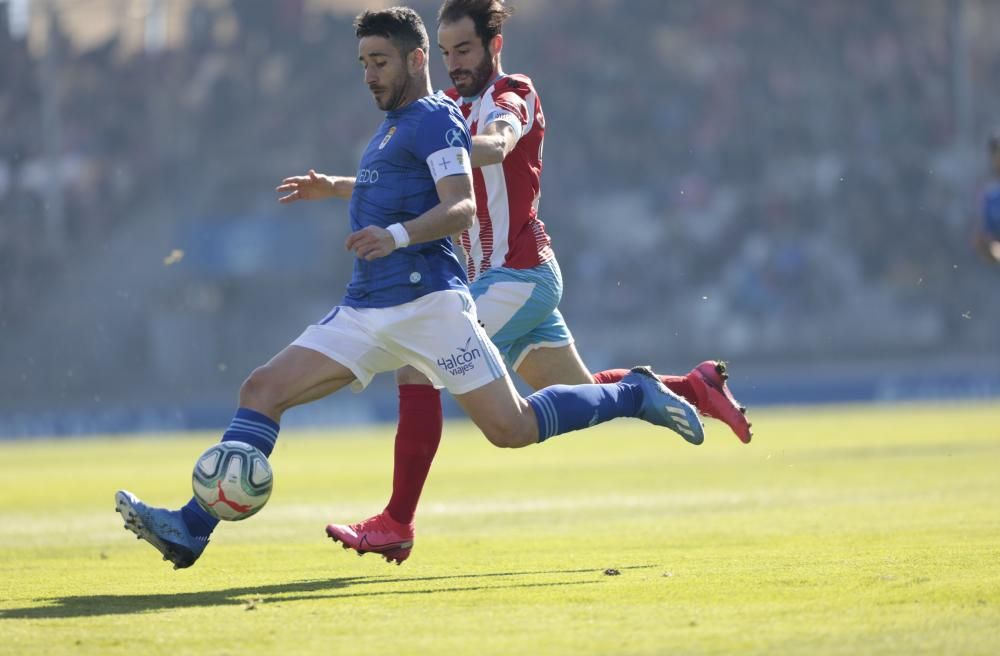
(372, 524)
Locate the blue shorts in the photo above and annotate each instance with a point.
(519, 309)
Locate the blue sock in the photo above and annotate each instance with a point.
(247, 426)
(563, 408)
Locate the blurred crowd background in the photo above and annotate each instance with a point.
(788, 185)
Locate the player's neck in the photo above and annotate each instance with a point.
(417, 89)
(497, 74)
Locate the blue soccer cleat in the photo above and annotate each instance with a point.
(662, 407)
(162, 528)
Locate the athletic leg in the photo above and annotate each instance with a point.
(559, 365)
(323, 359)
(418, 435)
(679, 385)
(510, 308)
(443, 340)
(546, 356)
(391, 532)
(510, 421)
(295, 376)
(704, 387)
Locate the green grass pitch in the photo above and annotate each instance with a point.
(840, 530)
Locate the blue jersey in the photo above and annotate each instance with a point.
(991, 211)
(395, 184)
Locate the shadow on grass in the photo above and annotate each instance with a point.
(251, 597)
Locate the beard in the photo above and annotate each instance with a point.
(475, 80)
(392, 96)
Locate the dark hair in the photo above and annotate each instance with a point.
(487, 15)
(401, 25)
(994, 141)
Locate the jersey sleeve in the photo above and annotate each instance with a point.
(510, 108)
(443, 142)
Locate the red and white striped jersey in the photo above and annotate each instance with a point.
(509, 232)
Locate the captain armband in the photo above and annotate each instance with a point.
(449, 161)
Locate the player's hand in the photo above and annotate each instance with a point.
(987, 247)
(371, 243)
(305, 187)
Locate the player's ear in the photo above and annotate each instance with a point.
(496, 45)
(417, 60)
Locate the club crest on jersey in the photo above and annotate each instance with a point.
(461, 361)
(388, 135)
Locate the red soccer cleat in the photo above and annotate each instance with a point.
(716, 401)
(380, 534)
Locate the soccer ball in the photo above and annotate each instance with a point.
(232, 480)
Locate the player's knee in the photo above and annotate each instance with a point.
(503, 440)
(259, 390)
(508, 434)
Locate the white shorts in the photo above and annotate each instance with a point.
(438, 334)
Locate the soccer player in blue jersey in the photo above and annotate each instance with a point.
(407, 302)
(988, 226)
(514, 277)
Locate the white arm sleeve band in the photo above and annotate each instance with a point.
(508, 117)
(449, 161)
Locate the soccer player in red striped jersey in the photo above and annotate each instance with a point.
(514, 276)
(507, 184)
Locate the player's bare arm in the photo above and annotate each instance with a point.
(454, 213)
(493, 144)
(315, 186)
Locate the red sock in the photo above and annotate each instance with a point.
(417, 439)
(679, 385)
